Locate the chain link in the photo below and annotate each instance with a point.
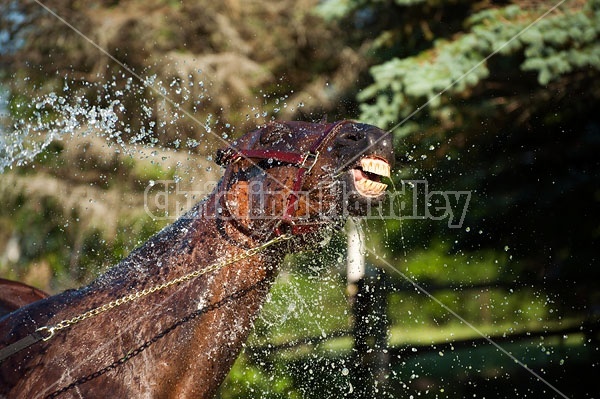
(51, 330)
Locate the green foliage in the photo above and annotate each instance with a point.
(19, 107)
(554, 46)
(60, 247)
(438, 265)
(302, 306)
(151, 171)
(132, 232)
(246, 380)
(449, 275)
(336, 9)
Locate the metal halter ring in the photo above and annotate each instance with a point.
(50, 331)
(309, 156)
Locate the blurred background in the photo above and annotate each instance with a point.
(496, 98)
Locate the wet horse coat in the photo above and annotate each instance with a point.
(181, 341)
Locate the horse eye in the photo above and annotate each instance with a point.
(274, 134)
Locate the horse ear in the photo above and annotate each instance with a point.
(224, 156)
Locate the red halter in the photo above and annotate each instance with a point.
(304, 162)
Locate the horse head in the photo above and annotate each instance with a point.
(299, 177)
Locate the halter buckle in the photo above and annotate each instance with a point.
(46, 330)
(311, 158)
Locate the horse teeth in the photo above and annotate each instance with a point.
(376, 166)
(370, 188)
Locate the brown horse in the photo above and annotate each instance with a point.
(169, 320)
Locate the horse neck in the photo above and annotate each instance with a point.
(198, 239)
(202, 323)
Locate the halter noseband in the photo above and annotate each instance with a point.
(303, 161)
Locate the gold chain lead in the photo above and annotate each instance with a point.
(51, 330)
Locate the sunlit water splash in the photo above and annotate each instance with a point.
(27, 127)
(54, 117)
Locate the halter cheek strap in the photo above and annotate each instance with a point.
(303, 161)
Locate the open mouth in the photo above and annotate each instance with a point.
(368, 174)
